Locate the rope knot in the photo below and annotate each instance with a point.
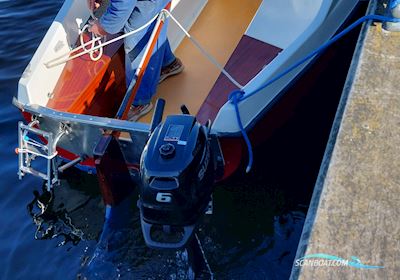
(236, 95)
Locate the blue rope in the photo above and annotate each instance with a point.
(238, 95)
(235, 97)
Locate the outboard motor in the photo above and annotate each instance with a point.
(178, 169)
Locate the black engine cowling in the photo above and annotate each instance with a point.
(178, 171)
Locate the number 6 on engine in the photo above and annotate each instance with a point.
(164, 197)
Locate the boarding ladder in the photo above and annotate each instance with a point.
(31, 148)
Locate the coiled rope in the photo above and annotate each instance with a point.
(95, 40)
(72, 53)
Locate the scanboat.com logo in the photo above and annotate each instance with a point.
(329, 260)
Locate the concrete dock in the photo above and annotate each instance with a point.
(354, 213)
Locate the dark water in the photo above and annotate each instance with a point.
(257, 221)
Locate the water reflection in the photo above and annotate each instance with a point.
(251, 233)
(52, 223)
(71, 212)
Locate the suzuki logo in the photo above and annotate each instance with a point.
(164, 197)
